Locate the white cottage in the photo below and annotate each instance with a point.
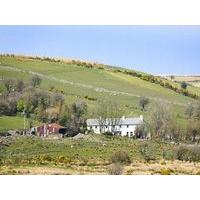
(122, 126)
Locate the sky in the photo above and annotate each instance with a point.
(152, 49)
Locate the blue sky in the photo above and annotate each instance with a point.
(154, 49)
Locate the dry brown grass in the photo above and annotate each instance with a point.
(136, 168)
(172, 167)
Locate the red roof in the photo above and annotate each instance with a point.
(54, 125)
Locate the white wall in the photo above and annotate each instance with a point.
(124, 129)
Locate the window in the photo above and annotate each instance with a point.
(95, 126)
(106, 126)
(120, 126)
(126, 133)
(90, 127)
(127, 126)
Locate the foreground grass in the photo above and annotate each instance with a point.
(89, 155)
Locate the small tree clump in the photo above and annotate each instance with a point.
(143, 102)
(183, 85)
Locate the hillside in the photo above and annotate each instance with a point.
(94, 83)
(62, 84)
(193, 80)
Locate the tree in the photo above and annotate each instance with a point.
(143, 102)
(41, 114)
(193, 131)
(108, 113)
(20, 105)
(79, 109)
(19, 85)
(78, 116)
(35, 80)
(183, 85)
(172, 77)
(9, 85)
(161, 120)
(140, 131)
(114, 115)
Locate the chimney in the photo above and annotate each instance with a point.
(141, 118)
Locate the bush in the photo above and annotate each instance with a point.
(183, 85)
(147, 152)
(108, 133)
(115, 169)
(165, 171)
(188, 153)
(35, 80)
(120, 157)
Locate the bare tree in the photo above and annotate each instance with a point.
(102, 115)
(161, 120)
(114, 114)
(35, 80)
(109, 113)
(143, 102)
(9, 85)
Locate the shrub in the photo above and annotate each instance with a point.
(147, 152)
(115, 169)
(35, 80)
(183, 85)
(120, 157)
(165, 171)
(107, 133)
(188, 153)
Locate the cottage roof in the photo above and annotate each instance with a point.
(120, 121)
(54, 125)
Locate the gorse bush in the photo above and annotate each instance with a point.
(188, 153)
(165, 171)
(120, 157)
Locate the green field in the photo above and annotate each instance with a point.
(12, 122)
(78, 81)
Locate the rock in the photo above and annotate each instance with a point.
(79, 136)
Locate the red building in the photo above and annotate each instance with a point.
(46, 129)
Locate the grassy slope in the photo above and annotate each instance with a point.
(88, 82)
